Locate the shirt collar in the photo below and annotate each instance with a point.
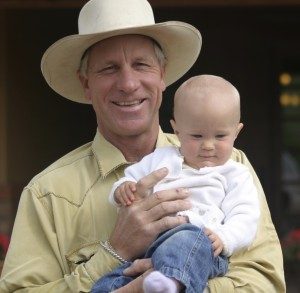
(162, 139)
(110, 158)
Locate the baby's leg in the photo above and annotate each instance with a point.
(185, 253)
(156, 282)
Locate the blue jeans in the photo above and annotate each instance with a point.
(184, 253)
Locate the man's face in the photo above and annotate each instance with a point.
(124, 83)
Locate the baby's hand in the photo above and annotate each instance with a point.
(124, 194)
(216, 241)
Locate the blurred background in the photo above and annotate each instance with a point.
(253, 44)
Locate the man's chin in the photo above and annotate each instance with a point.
(135, 128)
(132, 132)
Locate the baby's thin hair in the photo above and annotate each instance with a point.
(205, 84)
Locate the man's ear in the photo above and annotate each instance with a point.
(85, 85)
(162, 82)
(173, 124)
(163, 85)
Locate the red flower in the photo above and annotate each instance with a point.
(295, 235)
(4, 242)
(291, 246)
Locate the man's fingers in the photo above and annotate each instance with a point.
(138, 267)
(145, 185)
(167, 223)
(160, 200)
(135, 286)
(146, 218)
(168, 208)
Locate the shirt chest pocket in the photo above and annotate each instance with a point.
(81, 254)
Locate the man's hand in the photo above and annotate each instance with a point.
(216, 241)
(140, 223)
(138, 267)
(141, 267)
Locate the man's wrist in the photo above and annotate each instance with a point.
(107, 246)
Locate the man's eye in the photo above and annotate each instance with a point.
(108, 69)
(141, 64)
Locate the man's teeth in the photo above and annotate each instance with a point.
(129, 103)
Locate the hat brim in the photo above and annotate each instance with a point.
(180, 42)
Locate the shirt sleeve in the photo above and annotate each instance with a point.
(260, 267)
(241, 208)
(34, 262)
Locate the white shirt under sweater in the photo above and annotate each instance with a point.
(223, 198)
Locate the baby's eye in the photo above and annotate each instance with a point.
(197, 136)
(220, 136)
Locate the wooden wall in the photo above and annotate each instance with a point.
(154, 3)
(247, 45)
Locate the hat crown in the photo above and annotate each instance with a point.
(96, 15)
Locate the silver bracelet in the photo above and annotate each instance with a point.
(107, 246)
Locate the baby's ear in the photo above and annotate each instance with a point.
(239, 128)
(173, 123)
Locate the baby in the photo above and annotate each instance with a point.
(225, 206)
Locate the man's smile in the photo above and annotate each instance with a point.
(129, 103)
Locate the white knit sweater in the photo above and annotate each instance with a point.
(223, 198)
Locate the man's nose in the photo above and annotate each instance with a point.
(128, 80)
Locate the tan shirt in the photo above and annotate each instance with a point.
(64, 213)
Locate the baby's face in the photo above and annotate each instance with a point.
(207, 135)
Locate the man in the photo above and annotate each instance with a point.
(66, 235)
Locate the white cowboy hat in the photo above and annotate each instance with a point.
(101, 19)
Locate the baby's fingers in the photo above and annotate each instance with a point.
(217, 246)
(210, 234)
(217, 249)
(129, 194)
(132, 186)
